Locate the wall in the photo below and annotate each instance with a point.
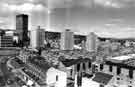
(124, 80)
(51, 77)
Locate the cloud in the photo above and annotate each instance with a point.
(104, 34)
(110, 25)
(116, 20)
(109, 3)
(73, 3)
(9, 11)
(26, 7)
(17, 2)
(115, 3)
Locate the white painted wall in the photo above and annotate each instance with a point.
(51, 77)
(86, 82)
(89, 83)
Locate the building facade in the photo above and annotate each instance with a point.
(37, 37)
(56, 77)
(91, 42)
(67, 40)
(74, 67)
(22, 28)
(6, 41)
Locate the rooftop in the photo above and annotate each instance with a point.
(31, 75)
(70, 62)
(120, 59)
(40, 62)
(54, 56)
(102, 78)
(123, 61)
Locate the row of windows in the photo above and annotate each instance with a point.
(101, 67)
(6, 43)
(84, 66)
(118, 70)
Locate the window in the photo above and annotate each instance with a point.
(84, 68)
(118, 70)
(110, 68)
(78, 67)
(79, 80)
(89, 65)
(118, 78)
(71, 71)
(130, 74)
(56, 77)
(101, 66)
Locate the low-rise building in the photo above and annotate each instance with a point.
(75, 66)
(123, 70)
(43, 74)
(56, 78)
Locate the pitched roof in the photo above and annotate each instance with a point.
(40, 63)
(70, 62)
(102, 78)
(15, 64)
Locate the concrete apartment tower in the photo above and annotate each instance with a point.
(22, 28)
(91, 44)
(37, 37)
(67, 40)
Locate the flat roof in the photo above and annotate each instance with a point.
(121, 58)
(127, 61)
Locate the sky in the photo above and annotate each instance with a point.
(107, 18)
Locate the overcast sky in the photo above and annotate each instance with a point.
(109, 18)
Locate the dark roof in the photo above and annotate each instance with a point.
(122, 65)
(70, 62)
(102, 78)
(15, 64)
(31, 75)
(40, 62)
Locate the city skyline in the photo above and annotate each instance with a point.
(108, 18)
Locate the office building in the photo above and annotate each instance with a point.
(67, 40)
(37, 37)
(83, 45)
(22, 28)
(6, 41)
(91, 42)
